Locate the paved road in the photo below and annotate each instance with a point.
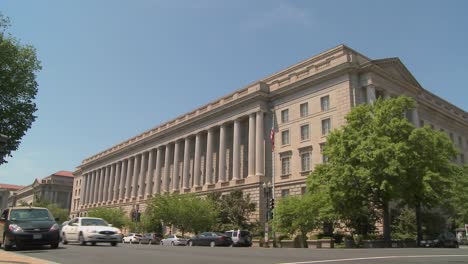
(125, 253)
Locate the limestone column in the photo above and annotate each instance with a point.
(82, 189)
(143, 172)
(251, 165)
(175, 175)
(110, 192)
(117, 181)
(222, 153)
(96, 185)
(87, 189)
(102, 180)
(157, 180)
(123, 179)
(136, 172)
(91, 189)
(150, 173)
(260, 146)
(128, 180)
(371, 97)
(209, 156)
(186, 169)
(105, 185)
(236, 150)
(415, 117)
(196, 169)
(167, 168)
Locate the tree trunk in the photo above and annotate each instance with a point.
(418, 224)
(386, 224)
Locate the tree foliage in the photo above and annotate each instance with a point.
(114, 216)
(55, 209)
(18, 88)
(187, 213)
(233, 210)
(459, 198)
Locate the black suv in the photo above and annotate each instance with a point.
(23, 226)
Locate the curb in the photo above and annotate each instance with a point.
(5, 257)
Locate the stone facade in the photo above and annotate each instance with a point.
(56, 188)
(224, 145)
(7, 190)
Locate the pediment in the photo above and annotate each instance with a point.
(35, 183)
(397, 69)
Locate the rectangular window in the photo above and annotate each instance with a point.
(304, 109)
(421, 123)
(285, 137)
(305, 132)
(305, 161)
(284, 192)
(303, 190)
(451, 136)
(460, 141)
(285, 165)
(324, 158)
(462, 158)
(432, 126)
(325, 126)
(325, 103)
(285, 116)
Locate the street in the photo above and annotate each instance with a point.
(125, 253)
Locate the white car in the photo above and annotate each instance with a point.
(92, 230)
(174, 240)
(132, 238)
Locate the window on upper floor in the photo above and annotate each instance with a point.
(285, 137)
(284, 192)
(304, 108)
(285, 165)
(305, 161)
(325, 103)
(326, 126)
(305, 132)
(285, 116)
(460, 142)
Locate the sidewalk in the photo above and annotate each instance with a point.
(10, 257)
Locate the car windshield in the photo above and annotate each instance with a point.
(93, 222)
(30, 214)
(244, 233)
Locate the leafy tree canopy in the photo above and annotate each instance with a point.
(18, 88)
(114, 216)
(233, 210)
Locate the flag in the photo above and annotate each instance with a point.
(272, 138)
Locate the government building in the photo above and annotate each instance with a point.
(225, 144)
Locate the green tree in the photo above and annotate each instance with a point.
(187, 213)
(18, 88)
(460, 197)
(298, 214)
(233, 210)
(58, 212)
(431, 174)
(366, 160)
(115, 216)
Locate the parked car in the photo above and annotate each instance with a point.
(443, 240)
(23, 226)
(211, 239)
(150, 238)
(90, 230)
(132, 238)
(174, 240)
(240, 238)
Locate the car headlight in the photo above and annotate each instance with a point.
(119, 232)
(54, 227)
(15, 228)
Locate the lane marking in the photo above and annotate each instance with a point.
(370, 258)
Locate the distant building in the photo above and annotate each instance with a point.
(7, 190)
(56, 188)
(225, 144)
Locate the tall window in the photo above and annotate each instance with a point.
(285, 137)
(304, 132)
(462, 158)
(326, 126)
(305, 161)
(460, 142)
(421, 123)
(304, 109)
(285, 116)
(325, 103)
(285, 165)
(451, 136)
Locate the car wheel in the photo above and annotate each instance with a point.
(81, 239)
(5, 246)
(113, 244)
(64, 239)
(172, 243)
(54, 245)
(190, 244)
(212, 244)
(93, 243)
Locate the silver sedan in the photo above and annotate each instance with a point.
(174, 240)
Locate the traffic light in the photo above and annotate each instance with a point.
(272, 204)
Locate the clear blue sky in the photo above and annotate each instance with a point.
(112, 69)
